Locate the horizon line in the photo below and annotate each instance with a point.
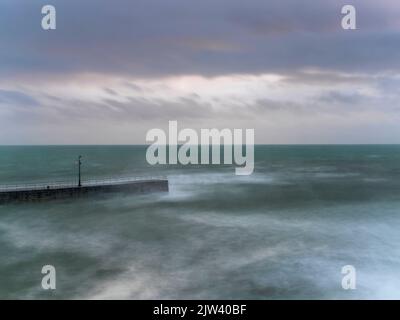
(256, 144)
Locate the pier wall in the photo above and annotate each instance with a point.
(40, 194)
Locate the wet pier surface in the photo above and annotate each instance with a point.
(63, 190)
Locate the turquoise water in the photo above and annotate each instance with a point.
(284, 232)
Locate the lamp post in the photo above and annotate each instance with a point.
(79, 171)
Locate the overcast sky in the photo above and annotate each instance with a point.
(112, 70)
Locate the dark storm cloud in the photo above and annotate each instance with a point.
(208, 37)
(186, 108)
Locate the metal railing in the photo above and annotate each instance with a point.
(73, 183)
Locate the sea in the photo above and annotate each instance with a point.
(287, 231)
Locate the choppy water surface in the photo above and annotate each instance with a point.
(283, 233)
